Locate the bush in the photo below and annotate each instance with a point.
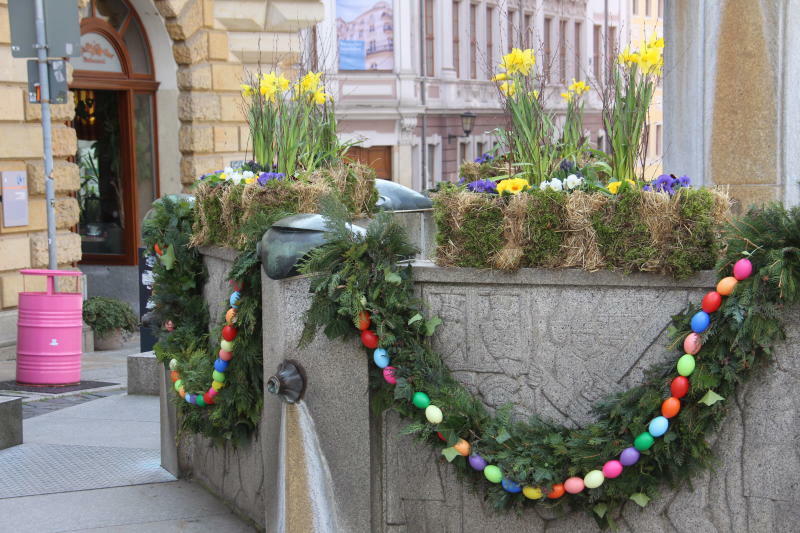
(104, 315)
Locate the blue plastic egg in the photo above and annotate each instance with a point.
(381, 358)
(220, 365)
(658, 426)
(700, 321)
(234, 301)
(188, 398)
(511, 486)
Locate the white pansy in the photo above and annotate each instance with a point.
(236, 178)
(247, 174)
(556, 184)
(544, 185)
(228, 170)
(573, 181)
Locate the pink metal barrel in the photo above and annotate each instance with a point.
(49, 333)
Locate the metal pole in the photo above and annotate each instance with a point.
(423, 100)
(47, 137)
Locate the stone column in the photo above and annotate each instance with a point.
(729, 106)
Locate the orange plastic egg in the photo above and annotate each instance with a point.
(462, 447)
(726, 285)
(230, 316)
(670, 407)
(182, 392)
(174, 376)
(557, 491)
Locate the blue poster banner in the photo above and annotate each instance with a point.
(352, 55)
(365, 31)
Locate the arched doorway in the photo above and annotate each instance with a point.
(114, 88)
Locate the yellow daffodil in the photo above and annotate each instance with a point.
(319, 97)
(271, 85)
(614, 186)
(578, 87)
(627, 57)
(500, 77)
(508, 89)
(567, 96)
(247, 90)
(518, 61)
(309, 83)
(534, 93)
(513, 186)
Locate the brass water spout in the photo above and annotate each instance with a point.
(289, 382)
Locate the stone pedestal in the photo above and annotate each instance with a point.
(10, 421)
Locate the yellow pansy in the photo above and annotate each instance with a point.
(500, 77)
(614, 186)
(250, 180)
(513, 186)
(508, 89)
(518, 61)
(247, 90)
(223, 176)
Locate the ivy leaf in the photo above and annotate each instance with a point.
(600, 509)
(431, 325)
(415, 318)
(168, 257)
(503, 436)
(640, 498)
(710, 398)
(450, 454)
(392, 277)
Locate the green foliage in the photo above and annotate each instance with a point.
(623, 237)
(352, 276)
(544, 224)
(107, 314)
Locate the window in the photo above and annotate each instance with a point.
(660, 8)
(481, 149)
(647, 10)
(611, 51)
(597, 47)
(601, 141)
(548, 50)
(489, 41)
(430, 163)
(429, 43)
(659, 140)
(577, 46)
(511, 26)
(528, 30)
(463, 152)
(635, 7)
(473, 41)
(562, 51)
(456, 40)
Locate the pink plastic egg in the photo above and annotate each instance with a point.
(742, 269)
(388, 375)
(225, 356)
(692, 343)
(573, 485)
(212, 392)
(612, 469)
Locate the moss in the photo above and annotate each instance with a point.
(695, 244)
(544, 227)
(623, 237)
(470, 227)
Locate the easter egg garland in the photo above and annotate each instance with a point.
(638, 440)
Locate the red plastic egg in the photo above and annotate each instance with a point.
(670, 407)
(369, 339)
(363, 320)
(711, 301)
(679, 387)
(229, 333)
(441, 437)
(208, 399)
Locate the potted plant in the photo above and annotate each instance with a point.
(110, 319)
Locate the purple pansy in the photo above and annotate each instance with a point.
(267, 176)
(485, 158)
(484, 185)
(684, 181)
(664, 183)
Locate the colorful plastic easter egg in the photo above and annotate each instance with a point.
(686, 365)
(226, 346)
(742, 269)
(726, 285)
(441, 437)
(462, 447)
(644, 441)
(217, 385)
(556, 491)
(388, 375)
(573, 485)
(593, 479)
(670, 407)
(208, 398)
(189, 398)
(181, 392)
(629, 456)
(493, 474)
(363, 320)
(220, 365)
(234, 300)
(700, 321)
(477, 462)
(612, 469)
(230, 316)
(369, 339)
(381, 358)
(511, 486)
(532, 493)
(421, 400)
(658, 426)
(174, 376)
(711, 301)
(178, 384)
(198, 399)
(229, 333)
(173, 364)
(692, 343)
(225, 356)
(218, 376)
(679, 387)
(433, 414)
(169, 325)
(212, 391)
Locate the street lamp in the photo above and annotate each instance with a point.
(467, 123)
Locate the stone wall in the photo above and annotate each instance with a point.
(551, 342)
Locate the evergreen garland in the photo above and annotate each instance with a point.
(355, 274)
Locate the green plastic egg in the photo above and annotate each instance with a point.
(493, 474)
(227, 346)
(200, 401)
(644, 441)
(218, 376)
(593, 479)
(173, 364)
(178, 384)
(421, 400)
(433, 414)
(686, 365)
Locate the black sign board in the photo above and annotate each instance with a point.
(146, 262)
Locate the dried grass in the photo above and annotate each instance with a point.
(580, 247)
(514, 234)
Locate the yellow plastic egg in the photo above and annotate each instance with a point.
(217, 385)
(532, 493)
